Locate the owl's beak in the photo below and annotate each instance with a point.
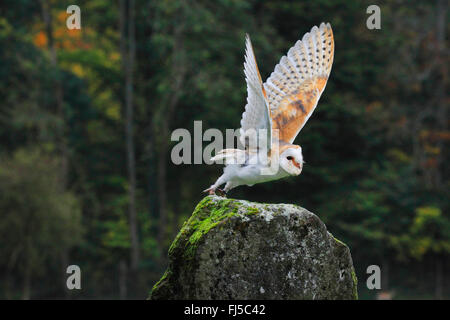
(298, 165)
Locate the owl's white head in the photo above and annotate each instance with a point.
(291, 160)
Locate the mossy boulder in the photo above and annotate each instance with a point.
(235, 249)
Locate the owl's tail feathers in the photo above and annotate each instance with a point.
(230, 156)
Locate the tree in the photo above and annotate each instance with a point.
(128, 48)
(39, 221)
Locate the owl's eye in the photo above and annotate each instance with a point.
(289, 158)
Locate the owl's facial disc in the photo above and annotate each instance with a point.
(292, 161)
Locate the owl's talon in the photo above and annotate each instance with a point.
(210, 190)
(222, 192)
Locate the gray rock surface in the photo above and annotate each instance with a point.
(235, 249)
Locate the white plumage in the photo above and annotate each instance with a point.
(256, 115)
(277, 110)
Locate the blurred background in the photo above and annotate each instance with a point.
(86, 117)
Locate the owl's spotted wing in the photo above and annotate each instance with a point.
(295, 86)
(256, 115)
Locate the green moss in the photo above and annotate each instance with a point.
(355, 282)
(340, 242)
(252, 210)
(164, 277)
(208, 214)
(202, 206)
(161, 282)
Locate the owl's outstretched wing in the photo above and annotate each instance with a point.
(295, 86)
(256, 115)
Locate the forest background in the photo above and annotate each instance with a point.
(86, 117)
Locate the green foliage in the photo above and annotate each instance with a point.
(40, 221)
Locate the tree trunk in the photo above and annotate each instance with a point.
(385, 275)
(162, 190)
(442, 106)
(127, 27)
(439, 279)
(165, 113)
(122, 279)
(61, 142)
(26, 285)
(26, 292)
(64, 265)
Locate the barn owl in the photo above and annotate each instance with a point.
(276, 111)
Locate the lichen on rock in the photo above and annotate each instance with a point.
(236, 249)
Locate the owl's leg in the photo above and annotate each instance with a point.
(223, 192)
(229, 186)
(212, 190)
